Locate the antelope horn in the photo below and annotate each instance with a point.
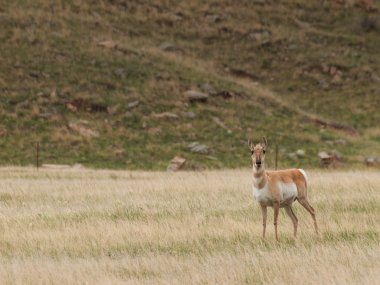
(264, 142)
(249, 144)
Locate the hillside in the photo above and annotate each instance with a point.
(103, 83)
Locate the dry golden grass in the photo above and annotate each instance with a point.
(115, 227)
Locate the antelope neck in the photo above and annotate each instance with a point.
(259, 177)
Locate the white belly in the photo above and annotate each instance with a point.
(288, 193)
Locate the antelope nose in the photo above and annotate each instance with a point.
(258, 162)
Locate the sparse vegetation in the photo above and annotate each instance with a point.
(79, 62)
(100, 227)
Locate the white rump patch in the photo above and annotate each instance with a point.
(303, 173)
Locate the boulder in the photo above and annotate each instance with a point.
(195, 96)
(329, 159)
(372, 161)
(176, 163)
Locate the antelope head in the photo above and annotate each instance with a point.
(258, 152)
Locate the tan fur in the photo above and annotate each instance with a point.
(270, 182)
(286, 176)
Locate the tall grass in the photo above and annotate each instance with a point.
(115, 227)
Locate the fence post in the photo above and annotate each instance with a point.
(37, 154)
(276, 161)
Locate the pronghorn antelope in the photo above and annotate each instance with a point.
(278, 189)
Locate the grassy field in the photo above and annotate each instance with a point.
(118, 227)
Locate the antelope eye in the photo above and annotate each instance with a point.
(251, 151)
(264, 151)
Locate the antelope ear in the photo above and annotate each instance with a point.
(264, 142)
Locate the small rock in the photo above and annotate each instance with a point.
(177, 18)
(221, 124)
(211, 157)
(108, 44)
(333, 70)
(323, 155)
(324, 84)
(162, 76)
(47, 115)
(71, 107)
(167, 46)
(214, 18)
(154, 131)
(3, 131)
(176, 163)
(300, 153)
(78, 166)
(208, 88)
(302, 24)
(113, 109)
(133, 104)
(341, 141)
(190, 115)
(198, 148)
(166, 115)
(119, 152)
(225, 94)
(337, 77)
(325, 68)
(261, 36)
(120, 72)
(83, 131)
(292, 155)
(196, 96)
(35, 73)
(53, 94)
